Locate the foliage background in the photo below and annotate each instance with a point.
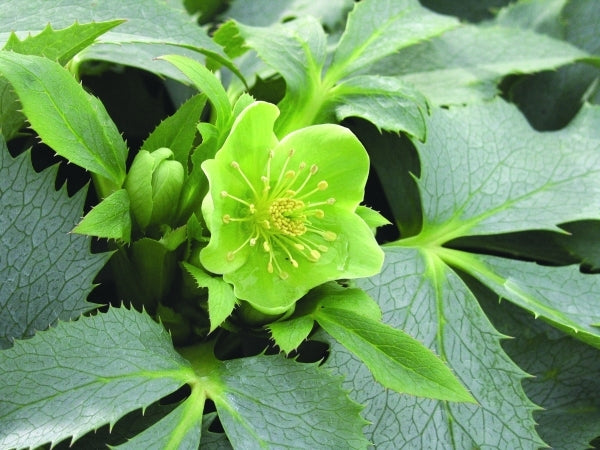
(508, 165)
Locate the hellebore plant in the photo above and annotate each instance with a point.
(282, 214)
(223, 281)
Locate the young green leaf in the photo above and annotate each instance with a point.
(107, 364)
(60, 45)
(206, 81)
(221, 300)
(314, 412)
(110, 219)
(178, 131)
(40, 257)
(422, 296)
(396, 360)
(377, 28)
(72, 122)
(289, 334)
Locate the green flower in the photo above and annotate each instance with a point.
(282, 214)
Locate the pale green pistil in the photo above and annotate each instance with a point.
(279, 214)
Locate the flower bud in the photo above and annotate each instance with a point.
(154, 185)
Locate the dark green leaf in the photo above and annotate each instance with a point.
(561, 295)
(378, 28)
(481, 178)
(563, 382)
(80, 375)
(464, 65)
(46, 272)
(152, 29)
(423, 297)
(387, 102)
(312, 412)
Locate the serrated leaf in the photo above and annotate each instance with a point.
(107, 364)
(177, 132)
(563, 381)
(481, 178)
(560, 295)
(46, 272)
(313, 413)
(152, 28)
(72, 122)
(377, 28)
(11, 119)
(387, 102)
(60, 45)
(464, 65)
(396, 360)
(221, 299)
(423, 297)
(289, 334)
(110, 219)
(206, 81)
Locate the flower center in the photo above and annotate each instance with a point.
(279, 213)
(287, 217)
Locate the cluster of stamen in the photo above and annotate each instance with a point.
(280, 214)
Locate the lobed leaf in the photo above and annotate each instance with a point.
(378, 28)
(46, 272)
(313, 413)
(563, 380)
(423, 297)
(387, 102)
(80, 375)
(464, 65)
(562, 296)
(481, 178)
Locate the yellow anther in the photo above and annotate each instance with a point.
(322, 185)
(266, 246)
(235, 164)
(329, 236)
(226, 218)
(314, 169)
(230, 256)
